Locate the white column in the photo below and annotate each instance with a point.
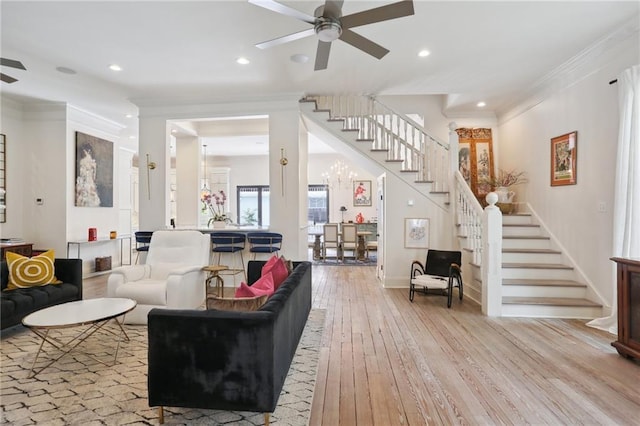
(284, 181)
(188, 171)
(154, 183)
(492, 258)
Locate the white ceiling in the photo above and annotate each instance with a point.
(180, 51)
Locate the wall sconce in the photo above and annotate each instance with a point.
(283, 163)
(151, 165)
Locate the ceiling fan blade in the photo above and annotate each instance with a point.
(379, 14)
(286, 39)
(322, 55)
(11, 63)
(7, 79)
(363, 43)
(284, 10)
(333, 8)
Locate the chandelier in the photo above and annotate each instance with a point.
(339, 175)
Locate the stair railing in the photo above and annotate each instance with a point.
(402, 138)
(469, 217)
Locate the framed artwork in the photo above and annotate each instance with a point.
(362, 193)
(475, 159)
(564, 151)
(94, 171)
(416, 233)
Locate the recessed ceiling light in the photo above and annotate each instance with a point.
(115, 67)
(424, 53)
(173, 131)
(481, 104)
(132, 137)
(242, 60)
(299, 58)
(129, 115)
(66, 70)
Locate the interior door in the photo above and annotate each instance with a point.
(380, 207)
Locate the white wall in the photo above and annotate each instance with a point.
(588, 105)
(41, 151)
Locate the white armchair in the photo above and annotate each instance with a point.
(171, 277)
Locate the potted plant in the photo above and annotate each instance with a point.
(214, 203)
(501, 183)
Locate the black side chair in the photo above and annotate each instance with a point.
(439, 275)
(264, 242)
(143, 239)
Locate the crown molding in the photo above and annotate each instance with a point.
(585, 63)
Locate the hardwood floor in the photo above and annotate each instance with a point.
(386, 361)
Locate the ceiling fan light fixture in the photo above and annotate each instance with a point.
(328, 29)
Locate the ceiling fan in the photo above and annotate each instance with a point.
(329, 25)
(12, 63)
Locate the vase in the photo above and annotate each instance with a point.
(504, 195)
(219, 224)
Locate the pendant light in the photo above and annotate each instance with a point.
(205, 189)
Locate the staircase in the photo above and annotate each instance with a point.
(537, 280)
(394, 141)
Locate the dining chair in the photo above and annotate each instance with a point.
(264, 242)
(330, 239)
(349, 239)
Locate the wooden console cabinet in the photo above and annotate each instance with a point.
(24, 249)
(628, 343)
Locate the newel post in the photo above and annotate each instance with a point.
(492, 258)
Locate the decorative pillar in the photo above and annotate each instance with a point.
(492, 258)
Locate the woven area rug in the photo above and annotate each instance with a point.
(77, 390)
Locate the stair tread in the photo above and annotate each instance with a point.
(438, 192)
(423, 181)
(536, 265)
(524, 225)
(525, 237)
(542, 283)
(528, 250)
(364, 140)
(551, 301)
(409, 171)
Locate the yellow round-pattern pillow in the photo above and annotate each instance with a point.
(27, 272)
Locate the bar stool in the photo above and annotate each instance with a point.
(143, 239)
(264, 242)
(231, 243)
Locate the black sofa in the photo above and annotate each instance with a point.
(228, 360)
(18, 303)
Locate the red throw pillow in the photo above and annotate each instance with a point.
(264, 286)
(278, 268)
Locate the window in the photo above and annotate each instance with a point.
(253, 204)
(318, 204)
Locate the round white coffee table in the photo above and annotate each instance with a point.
(95, 313)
